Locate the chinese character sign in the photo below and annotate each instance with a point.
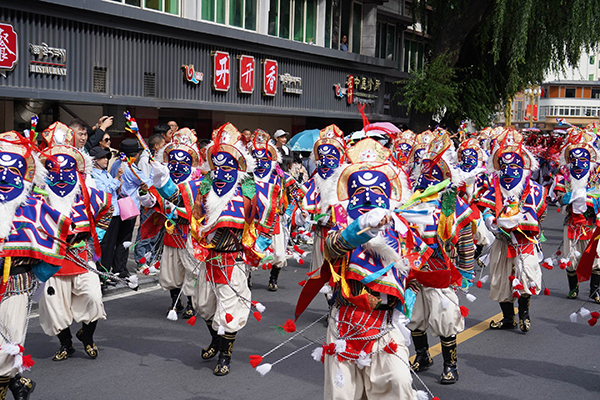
(269, 77)
(350, 88)
(246, 74)
(9, 54)
(221, 71)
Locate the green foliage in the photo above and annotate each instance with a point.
(432, 89)
(498, 48)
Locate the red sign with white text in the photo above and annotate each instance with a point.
(246, 75)
(9, 54)
(269, 77)
(221, 71)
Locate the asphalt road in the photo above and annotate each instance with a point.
(145, 356)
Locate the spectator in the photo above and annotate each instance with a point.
(105, 144)
(94, 134)
(80, 134)
(133, 178)
(246, 133)
(298, 171)
(173, 127)
(344, 43)
(281, 138)
(165, 131)
(308, 164)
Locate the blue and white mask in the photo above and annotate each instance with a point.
(580, 161)
(12, 172)
(263, 163)
(180, 165)
(62, 174)
(367, 190)
(224, 174)
(430, 176)
(328, 161)
(511, 170)
(468, 160)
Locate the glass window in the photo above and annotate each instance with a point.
(356, 27)
(298, 20)
(172, 6)
(328, 13)
(335, 26)
(406, 56)
(273, 13)
(596, 93)
(284, 18)
(591, 77)
(235, 13)
(154, 4)
(570, 92)
(390, 42)
(221, 5)
(250, 15)
(592, 60)
(345, 23)
(311, 21)
(134, 2)
(208, 10)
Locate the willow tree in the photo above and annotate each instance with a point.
(482, 52)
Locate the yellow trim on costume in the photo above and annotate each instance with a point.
(6, 272)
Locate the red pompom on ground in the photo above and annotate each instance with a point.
(255, 360)
(192, 321)
(257, 315)
(595, 314)
(142, 260)
(301, 261)
(479, 284)
(592, 322)
(547, 292)
(464, 311)
(289, 326)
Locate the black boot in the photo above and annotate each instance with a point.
(273, 279)
(189, 311)
(3, 386)
(213, 347)
(66, 345)
(524, 321)
(594, 284)
(573, 285)
(225, 351)
(422, 359)
(508, 317)
(174, 296)
(450, 374)
(86, 336)
(21, 387)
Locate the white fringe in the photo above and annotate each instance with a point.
(573, 317)
(172, 315)
(338, 380)
(471, 298)
(584, 312)
(422, 395)
(317, 354)
(264, 369)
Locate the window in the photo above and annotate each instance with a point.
(596, 93)
(569, 92)
(519, 111)
(167, 6)
(293, 19)
(238, 13)
(591, 77)
(343, 18)
(592, 60)
(413, 56)
(356, 28)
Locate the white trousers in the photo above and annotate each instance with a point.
(13, 318)
(437, 311)
(176, 268)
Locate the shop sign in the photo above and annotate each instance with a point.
(48, 60)
(269, 77)
(291, 84)
(191, 75)
(221, 69)
(359, 89)
(246, 74)
(9, 52)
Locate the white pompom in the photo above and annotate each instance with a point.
(363, 360)
(471, 298)
(127, 244)
(340, 346)
(11, 349)
(326, 289)
(221, 330)
(485, 278)
(515, 282)
(422, 395)
(577, 254)
(445, 303)
(133, 282)
(317, 354)
(172, 315)
(549, 261)
(338, 380)
(260, 308)
(584, 312)
(264, 369)
(573, 317)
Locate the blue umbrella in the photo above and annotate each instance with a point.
(304, 141)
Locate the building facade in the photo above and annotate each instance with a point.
(256, 63)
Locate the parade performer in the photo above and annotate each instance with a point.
(329, 154)
(514, 207)
(270, 190)
(370, 254)
(74, 292)
(573, 187)
(28, 254)
(174, 189)
(421, 143)
(437, 305)
(223, 218)
(402, 146)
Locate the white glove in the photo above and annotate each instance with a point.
(160, 175)
(489, 223)
(372, 219)
(299, 218)
(147, 200)
(510, 222)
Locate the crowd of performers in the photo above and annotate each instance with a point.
(400, 233)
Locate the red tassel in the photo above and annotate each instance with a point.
(532, 290)
(294, 234)
(558, 253)
(568, 263)
(157, 265)
(28, 362)
(296, 248)
(436, 398)
(464, 311)
(391, 347)
(192, 321)
(511, 278)
(595, 314)
(519, 286)
(558, 210)
(289, 326)
(142, 260)
(547, 292)
(301, 261)
(592, 322)
(516, 295)
(228, 317)
(255, 360)
(301, 283)
(21, 348)
(329, 349)
(257, 315)
(265, 267)
(479, 284)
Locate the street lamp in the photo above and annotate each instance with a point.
(532, 92)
